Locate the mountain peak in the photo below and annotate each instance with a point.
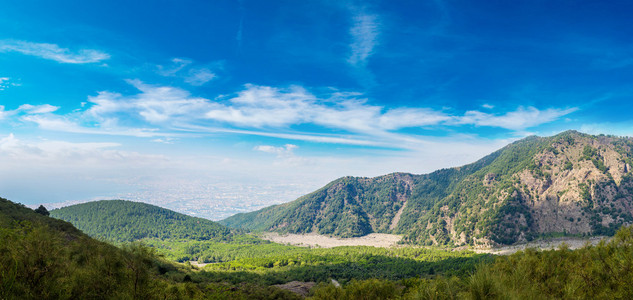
(570, 183)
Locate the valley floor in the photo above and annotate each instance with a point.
(382, 240)
(545, 244)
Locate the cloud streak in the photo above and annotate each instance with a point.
(17, 151)
(520, 119)
(281, 152)
(364, 33)
(53, 52)
(335, 117)
(181, 68)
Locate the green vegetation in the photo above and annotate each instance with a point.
(246, 258)
(347, 263)
(273, 263)
(45, 258)
(126, 221)
(342, 208)
(593, 272)
(489, 201)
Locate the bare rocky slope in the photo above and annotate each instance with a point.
(568, 184)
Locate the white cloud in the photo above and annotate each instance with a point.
(308, 137)
(164, 111)
(155, 104)
(177, 65)
(411, 117)
(27, 109)
(3, 83)
(261, 106)
(364, 33)
(180, 67)
(519, 119)
(488, 106)
(15, 151)
(165, 140)
(108, 127)
(6, 82)
(199, 76)
(53, 52)
(38, 109)
(285, 151)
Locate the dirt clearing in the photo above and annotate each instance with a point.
(316, 240)
(549, 244)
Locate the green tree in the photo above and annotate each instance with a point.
(42, 210)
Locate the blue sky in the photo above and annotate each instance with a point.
(137, 99)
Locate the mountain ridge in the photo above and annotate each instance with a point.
(570, 183)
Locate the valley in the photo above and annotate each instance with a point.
(542, 216)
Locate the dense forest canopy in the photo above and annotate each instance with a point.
(126, 221)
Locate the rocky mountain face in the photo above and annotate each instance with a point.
(571, 183)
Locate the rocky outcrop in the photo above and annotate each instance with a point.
(568, 184)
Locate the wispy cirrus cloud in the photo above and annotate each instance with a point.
(519, 119)
(183, 69)
(53, 52)
(199, 76)
(285, 151)
(177, 64)
(67, 153)
(27, 109)
(37, 109)
(364, 33)
(77, 125)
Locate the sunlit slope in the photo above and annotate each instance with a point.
(120, 221)
(571, 183)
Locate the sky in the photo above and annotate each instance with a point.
(216, 107)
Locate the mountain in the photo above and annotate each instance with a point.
(46, 258)
(123, 221)
(571, 183)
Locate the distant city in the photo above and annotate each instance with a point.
(213, 201)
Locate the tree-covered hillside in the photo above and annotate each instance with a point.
(571, 183)
(13, 213)
(46, 258)
(123, 221)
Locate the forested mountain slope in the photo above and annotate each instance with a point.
(13, 214)
(47, 258)
(121, 221)
(571, 183)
